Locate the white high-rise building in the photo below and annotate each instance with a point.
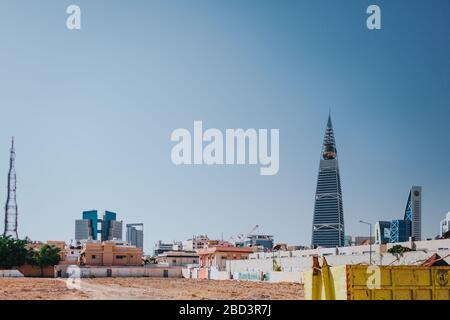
(413, 212)
(444, 226)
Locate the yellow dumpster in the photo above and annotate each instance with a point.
(363, 282)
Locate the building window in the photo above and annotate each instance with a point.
(120, 257)
(94, 256)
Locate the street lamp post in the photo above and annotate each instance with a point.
(370, 240)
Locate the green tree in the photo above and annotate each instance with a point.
(398, 249)
(12, 252)
(47, 255)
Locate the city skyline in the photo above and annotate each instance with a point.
(329, 152)
(93, 111)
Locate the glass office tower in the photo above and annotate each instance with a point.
(328, 221)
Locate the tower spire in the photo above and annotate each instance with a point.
(11, 204)
(329, 144)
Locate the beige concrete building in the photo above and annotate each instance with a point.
(61, 245)
(195, 243)
(178, 258)
(219, 255)
(110, 253)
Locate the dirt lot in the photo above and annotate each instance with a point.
(146, 288)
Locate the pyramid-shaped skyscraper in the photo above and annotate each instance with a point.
(328, 221)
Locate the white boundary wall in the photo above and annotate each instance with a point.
(219, 275)
(103, 272)
(296, 261)
(10, 274)
(280, 276)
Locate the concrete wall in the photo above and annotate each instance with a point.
(285, 277)
(297, 264)
(288, 264)
(249, 276)
(10, 274)
(103, 272)
(443, 246)
(32, 271)
(219, 275)
(203, 273)
(93, 272)
(428, 246)
(147, 272)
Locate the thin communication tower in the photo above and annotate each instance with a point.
(11, 203)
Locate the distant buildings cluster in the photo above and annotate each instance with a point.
(108, 228)
(401, 230)
(196, 243)
(328, 220)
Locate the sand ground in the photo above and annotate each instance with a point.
(145, 288)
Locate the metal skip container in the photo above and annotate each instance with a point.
(369, 282)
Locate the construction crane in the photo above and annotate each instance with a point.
(253, 230)
(241, 237)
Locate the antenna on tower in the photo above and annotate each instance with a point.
(11, 203)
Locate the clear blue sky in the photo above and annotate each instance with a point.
(92, 111)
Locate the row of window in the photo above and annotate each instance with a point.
(117, 257)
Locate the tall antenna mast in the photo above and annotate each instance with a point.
(11, 203)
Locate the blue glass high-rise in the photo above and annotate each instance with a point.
(92, 217)
(328, 221)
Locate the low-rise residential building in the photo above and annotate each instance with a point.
(178, 246)
(217, 256)
(363, 240)
(72, 254)
(196, 243)
(178, 258)
(61, 245)
(110, 253)
(218, 243)
(161, 247)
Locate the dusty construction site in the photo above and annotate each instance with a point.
(146, 288)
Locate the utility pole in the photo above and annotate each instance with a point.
(370, 240)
